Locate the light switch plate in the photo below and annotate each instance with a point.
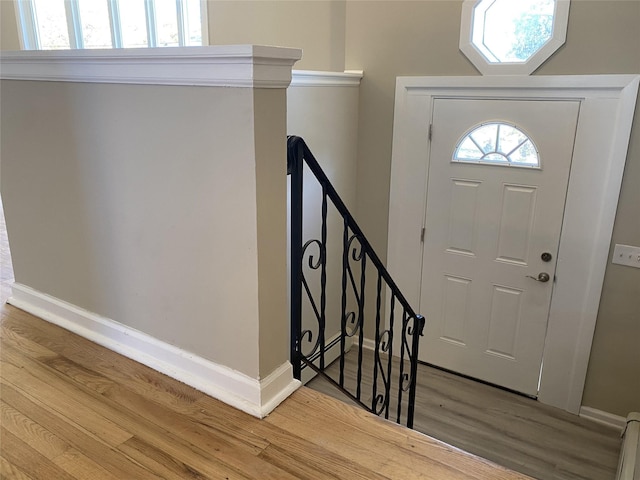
(626, 255)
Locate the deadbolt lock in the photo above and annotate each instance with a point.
(546, 257)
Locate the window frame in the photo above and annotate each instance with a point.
(29, 37)
(558, 38)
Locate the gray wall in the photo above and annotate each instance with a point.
(160, 207)
(8, 27)
(318, 27)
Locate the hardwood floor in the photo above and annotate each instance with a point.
(71, 409)
(511, 430)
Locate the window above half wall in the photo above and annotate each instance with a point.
(512, 37)
(71, 24)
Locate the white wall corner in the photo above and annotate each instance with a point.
(253, 396)
(276, 387)
(256, 66)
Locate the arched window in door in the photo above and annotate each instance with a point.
(497, 143)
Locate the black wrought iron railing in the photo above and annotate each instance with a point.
(332, 339)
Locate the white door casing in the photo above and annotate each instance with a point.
(607, 104)
(487, 225)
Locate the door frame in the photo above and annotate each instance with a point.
(602, 139)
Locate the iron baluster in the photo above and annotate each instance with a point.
(418, 328)
(401, 377)
(363, 266)
(376, 353)
(387, 386)
(323, 279)
(343, 318)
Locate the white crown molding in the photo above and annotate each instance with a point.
(253, 396)
(312, 78)
(255, 66)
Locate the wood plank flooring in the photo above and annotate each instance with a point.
(71, 409)
(508, 429)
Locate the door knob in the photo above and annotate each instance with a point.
(542, 277)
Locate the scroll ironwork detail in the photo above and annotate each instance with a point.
(388, 362)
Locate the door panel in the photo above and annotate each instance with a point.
(486, 228)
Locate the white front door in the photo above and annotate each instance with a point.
(497, 182)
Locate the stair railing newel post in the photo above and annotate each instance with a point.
(295, 169)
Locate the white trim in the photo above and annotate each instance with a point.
(204, 22)
(603, 418)
(115, 24)
(369, 344)
(255, 66)
(602, 139)
(558, 38)
(180, 16)
(74, 24)
(330, 356)
(152, 26)
(312, 78)
(25, 20)
(253, 396)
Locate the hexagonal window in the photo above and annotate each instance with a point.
(512, 37)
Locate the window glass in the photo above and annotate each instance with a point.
(499, 144)
(512, 31)
(64, 24)
(193, 32)
(512, 37)
(133, 23)
(167, 23)
(51, 20)
(96, 27)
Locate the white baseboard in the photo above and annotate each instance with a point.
(603, 418)
(369, 344)
(251, 395)
(330, 356)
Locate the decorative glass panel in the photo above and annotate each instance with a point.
(499, 144)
